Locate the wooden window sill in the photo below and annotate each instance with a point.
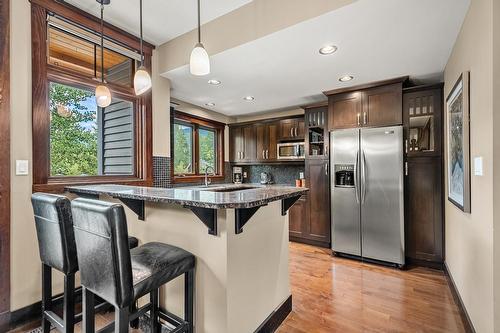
(58, 186)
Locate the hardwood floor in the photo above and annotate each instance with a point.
(333, 294)
(340, 295)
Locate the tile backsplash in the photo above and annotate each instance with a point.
(281, 174)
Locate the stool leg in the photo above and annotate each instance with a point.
(88, 315)
(134, 323)
(189, 299)
(153, 296)
(121, 320)
(69, 303)
(46, 296)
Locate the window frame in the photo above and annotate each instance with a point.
(43, 73)
(197, 122)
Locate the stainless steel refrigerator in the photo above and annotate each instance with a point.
(367, 209)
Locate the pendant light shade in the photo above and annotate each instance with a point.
(102, 93)
(102, 96)
(199, 62)
(142, 79)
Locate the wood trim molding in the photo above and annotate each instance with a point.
(266, 120)
(467, 322)
(197, 121)
(42, 73)
(91, 22)
(401, 80)
(4, 163)
(274, 320)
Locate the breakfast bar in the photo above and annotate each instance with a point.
(239, 235)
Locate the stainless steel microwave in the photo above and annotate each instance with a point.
(291, 150)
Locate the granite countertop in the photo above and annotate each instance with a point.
(219, 196)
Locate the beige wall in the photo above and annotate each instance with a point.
(469, 237)
(252, 21)
(496, 160)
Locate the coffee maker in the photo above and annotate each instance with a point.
(237, 175)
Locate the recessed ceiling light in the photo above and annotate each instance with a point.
(210, 104)
(346, 78)
(327, 49)
(214, 82)
(248, 98)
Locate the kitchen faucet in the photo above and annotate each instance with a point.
(207, 180)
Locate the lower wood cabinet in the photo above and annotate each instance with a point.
(310, 216)
(424, 210)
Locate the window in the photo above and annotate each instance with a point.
(86, 140)
(197, 144)
(74, 141)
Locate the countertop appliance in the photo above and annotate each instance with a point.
(367, 208)
(266, 178)
(237, 175)
(291, 150)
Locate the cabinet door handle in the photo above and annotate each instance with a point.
(326, 169)
(406, 146)
(242, 155)
(364, 118)
(263, 154)
(406, 168)
(296, 131)
(267, 153)
(359, 119)
(291, 131)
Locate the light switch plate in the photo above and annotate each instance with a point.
(478, 166)
(22, 167)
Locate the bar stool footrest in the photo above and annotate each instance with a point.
(175, 324)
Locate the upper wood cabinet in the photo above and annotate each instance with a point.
(345, 110)
(376, 105)
(267, 140)
(422, 116)
(382, 106)
(292, 129)
(243, 143)
(316, 138)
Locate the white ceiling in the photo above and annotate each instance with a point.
(377, 40)
(163, 19)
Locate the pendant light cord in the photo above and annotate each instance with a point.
(102, 42)
(142, 52)
(199, 24)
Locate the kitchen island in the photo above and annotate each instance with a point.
(239, 235)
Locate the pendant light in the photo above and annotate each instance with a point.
(199, 63)
(102, 93)
(142, 80)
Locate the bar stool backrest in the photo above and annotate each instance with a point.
(103, 254)
(54, 229)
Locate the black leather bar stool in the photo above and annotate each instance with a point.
(121, 276)
(56, 242)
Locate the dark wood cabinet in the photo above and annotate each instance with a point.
(310, 216)
(382, 106)
(317, 137)
(424, 186)
(375, 105)
(318, 181)
(243, 143)
(345, 110)
(298, 218)
(292, 129)
(254, 142)
(267, 140)
(424, 213)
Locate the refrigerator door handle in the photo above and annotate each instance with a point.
(363, 176)
(356, 183)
